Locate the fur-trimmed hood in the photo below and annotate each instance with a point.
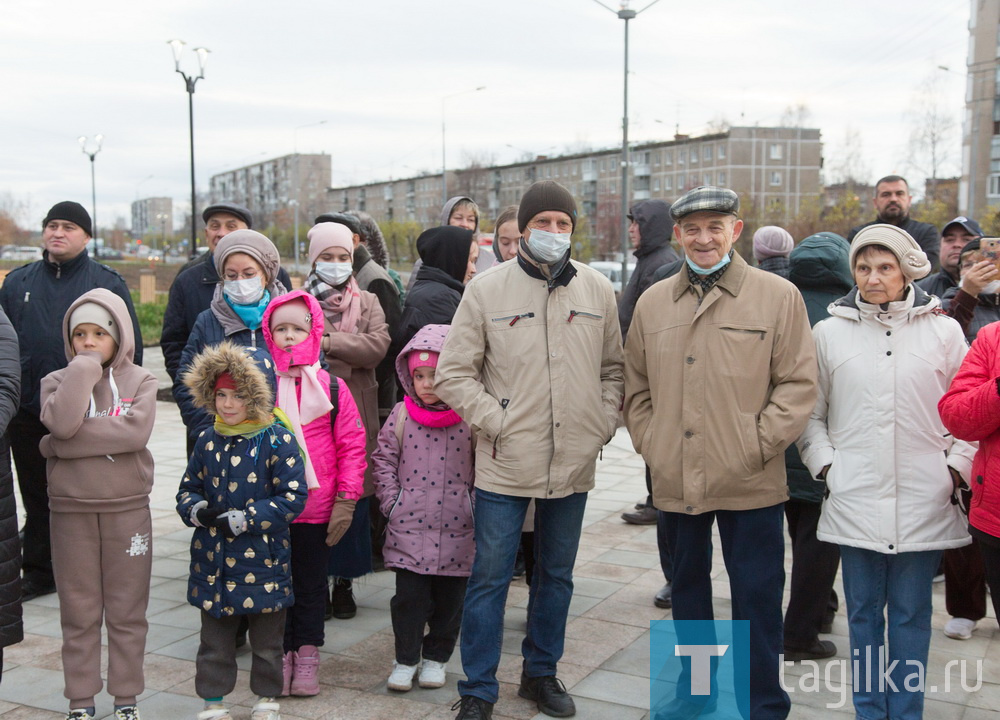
(252, 370)
(371, 236)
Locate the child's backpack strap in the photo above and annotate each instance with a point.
(401, 416)
(335, 401)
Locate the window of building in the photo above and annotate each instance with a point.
(668, 157)
(994, 189)
(721, 179)
(995, 154)
(681, 154)
(776, 152)
(706, 179)
(656, 159)
(776, 177)
(694, 155)
(656, 184)
(721, 154)
(706, 153)
(668, 183)
(614, 188)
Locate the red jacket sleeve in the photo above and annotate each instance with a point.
(971, 407)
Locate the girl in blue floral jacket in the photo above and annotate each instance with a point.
(244, 484)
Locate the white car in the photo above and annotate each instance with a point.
(613, 272)
(22, 253)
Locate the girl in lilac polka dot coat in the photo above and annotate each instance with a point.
(424, 483)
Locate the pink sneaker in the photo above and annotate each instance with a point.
(288, 669)
(304, 680)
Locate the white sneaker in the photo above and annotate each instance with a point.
(431, 674)
(215, 712)
(266, 709)
(79, 714)
(401, 678)
(960, 628)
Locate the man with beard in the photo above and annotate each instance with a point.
(954, 237)
(892, 203)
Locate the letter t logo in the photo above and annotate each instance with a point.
(701, 664)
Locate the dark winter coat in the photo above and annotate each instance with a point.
(191, 293)
(655, 227)
(36, 297)
(972, 313)
(424, 484)
(11, 628)
(938, 284)
(372, 277)
(925, 234)
(261, 474)
(819, 268)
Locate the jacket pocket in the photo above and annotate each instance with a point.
(395, 504)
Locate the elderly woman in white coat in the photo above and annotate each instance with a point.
(886, 356)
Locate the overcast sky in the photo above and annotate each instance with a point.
(376, 72)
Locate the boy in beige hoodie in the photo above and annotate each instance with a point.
(99, 411)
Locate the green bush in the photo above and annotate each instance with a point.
(150, 317)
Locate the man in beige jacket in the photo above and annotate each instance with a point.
(533, 363)
(720, 377)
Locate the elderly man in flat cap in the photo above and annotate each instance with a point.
(533, 363)
(720, 377)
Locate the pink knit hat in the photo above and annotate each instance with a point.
(328, 235)
(772, 241)
(421, 358)
(294, 312)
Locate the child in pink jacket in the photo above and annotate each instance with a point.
(423, 480)
(335, 470)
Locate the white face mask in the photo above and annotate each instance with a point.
(243, 292)
(547, 246)
(334, 273)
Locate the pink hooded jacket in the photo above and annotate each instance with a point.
(338, 453)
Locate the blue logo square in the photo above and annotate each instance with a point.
(697, 667)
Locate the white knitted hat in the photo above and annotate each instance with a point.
(912, 260)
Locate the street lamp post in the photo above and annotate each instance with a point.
(295, 232)
(98, 139)
(444, 157)
(162, 217)
(189, 82)
(626, 14)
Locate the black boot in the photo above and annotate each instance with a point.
(342, 600)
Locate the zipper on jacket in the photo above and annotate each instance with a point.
(760, 333)
(581, 313)
(514, 318)
(503, 404)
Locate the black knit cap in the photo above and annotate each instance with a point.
(545, 195)
(74, 212)
(350, 221)
(227, 207)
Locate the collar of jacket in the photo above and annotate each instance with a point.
(209, 275)
(67, 267)
(848, 307)
(731, 280)
(567, 273)
(361, 257)
(426, 273)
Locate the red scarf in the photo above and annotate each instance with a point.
(431, 418)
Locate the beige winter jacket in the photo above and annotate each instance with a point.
(538, 375)
(716, 390)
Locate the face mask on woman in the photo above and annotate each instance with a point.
(334, 273)
(243, 292)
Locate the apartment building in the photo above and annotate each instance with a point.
(271, 189)
(979, 190)
(152, 216)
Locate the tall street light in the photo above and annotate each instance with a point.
(444, 157)
(189, 82)
(83, 140)
(626, 14)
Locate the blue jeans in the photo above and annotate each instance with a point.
(498, 532)
(873, 582)
(753, 546)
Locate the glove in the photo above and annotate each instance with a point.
(340, 519)
(201, 515)
(231, 523)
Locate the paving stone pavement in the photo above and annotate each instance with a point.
(605, 665)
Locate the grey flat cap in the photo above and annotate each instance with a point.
(227, 207)
(706, 199)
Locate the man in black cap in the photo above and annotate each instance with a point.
(892, 205)
(35, 298)
(954, 237)
(192, 288)
(720, 378)
(533, 363)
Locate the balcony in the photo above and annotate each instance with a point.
(640, 170)
(590, 176)
(640, 195)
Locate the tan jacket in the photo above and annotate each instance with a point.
(538, 375)
(715, 391)
(353, 358)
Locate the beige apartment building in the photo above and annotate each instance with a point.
(775, 168)
(979, 190)
(152, 216)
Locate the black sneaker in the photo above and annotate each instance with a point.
(550, 695)
(342, 600)
(472, 708)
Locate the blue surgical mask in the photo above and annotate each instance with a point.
(547, 246)
(708, 271)
(243, 292)
(334, 273)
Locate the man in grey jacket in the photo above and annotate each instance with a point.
(533, 363)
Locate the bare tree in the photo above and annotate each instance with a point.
(795, 116)
(932, 131)
(848, 160)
